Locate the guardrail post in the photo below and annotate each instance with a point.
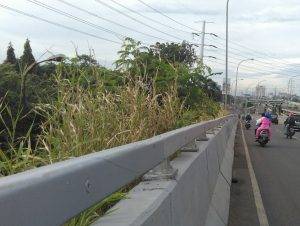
(202, 137)
(214, 130)
(164, 171)
(191, 147)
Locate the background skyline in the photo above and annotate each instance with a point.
(257, 29)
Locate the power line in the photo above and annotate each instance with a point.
(82, 20)
(136, 20)
(108, 20)
(170, 18)
(254, 69)
(261, 63)
(264, 63)
(230, 63)
(280, 61)
(252, 52)
(57, 24)
(145, 24)
(86, 22)
(149, 18)
(36, 2)
(244, 67)
(53, 9)
(74, 17)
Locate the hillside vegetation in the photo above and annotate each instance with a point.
(58, 111)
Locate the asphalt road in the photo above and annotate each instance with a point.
(277, 170)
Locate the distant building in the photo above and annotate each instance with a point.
(260, 91)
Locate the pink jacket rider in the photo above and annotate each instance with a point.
(265, 124)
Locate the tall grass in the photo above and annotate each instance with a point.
(19, 153)
(84, 120)
(87, 118)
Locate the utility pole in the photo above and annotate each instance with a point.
(288, 88)
(291, 89)
(203, 33)
(202, 41)
(226, 60)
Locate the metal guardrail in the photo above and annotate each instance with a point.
(53, 194)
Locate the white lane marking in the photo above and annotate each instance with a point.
(261, 213)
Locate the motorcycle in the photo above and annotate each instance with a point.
(290, 132)
(263, 138)
(247, 124)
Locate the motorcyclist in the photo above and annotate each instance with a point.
(289, 122)
(258, 123)
(268, 114)
(248, 117)
(247, 121)
(263, 124)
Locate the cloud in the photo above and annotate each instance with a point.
(278, 14)
(184, 11)
(180, 7)
(257, 24)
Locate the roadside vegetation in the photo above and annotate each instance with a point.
(77, 107)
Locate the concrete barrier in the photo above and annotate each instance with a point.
(199, 195)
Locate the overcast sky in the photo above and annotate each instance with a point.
(269, 29)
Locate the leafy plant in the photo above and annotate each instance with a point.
(79, 107)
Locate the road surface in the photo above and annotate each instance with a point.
(277, 171)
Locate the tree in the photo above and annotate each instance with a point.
(27, 58)
(141, 66)
(47, 69)
(9, 85)
(175, 53)
(28, 65)
(85, 60)
(10, 57)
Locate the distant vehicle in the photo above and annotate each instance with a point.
(297, 122)
(274, 118)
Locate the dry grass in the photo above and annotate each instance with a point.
(83, 120)
(87, 120)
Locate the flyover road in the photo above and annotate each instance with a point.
(277, 172)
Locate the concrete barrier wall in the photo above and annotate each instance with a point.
(199, 195)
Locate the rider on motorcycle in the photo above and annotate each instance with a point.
(268, 114)
(263, 124)
(289, 122)
(248, 117)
